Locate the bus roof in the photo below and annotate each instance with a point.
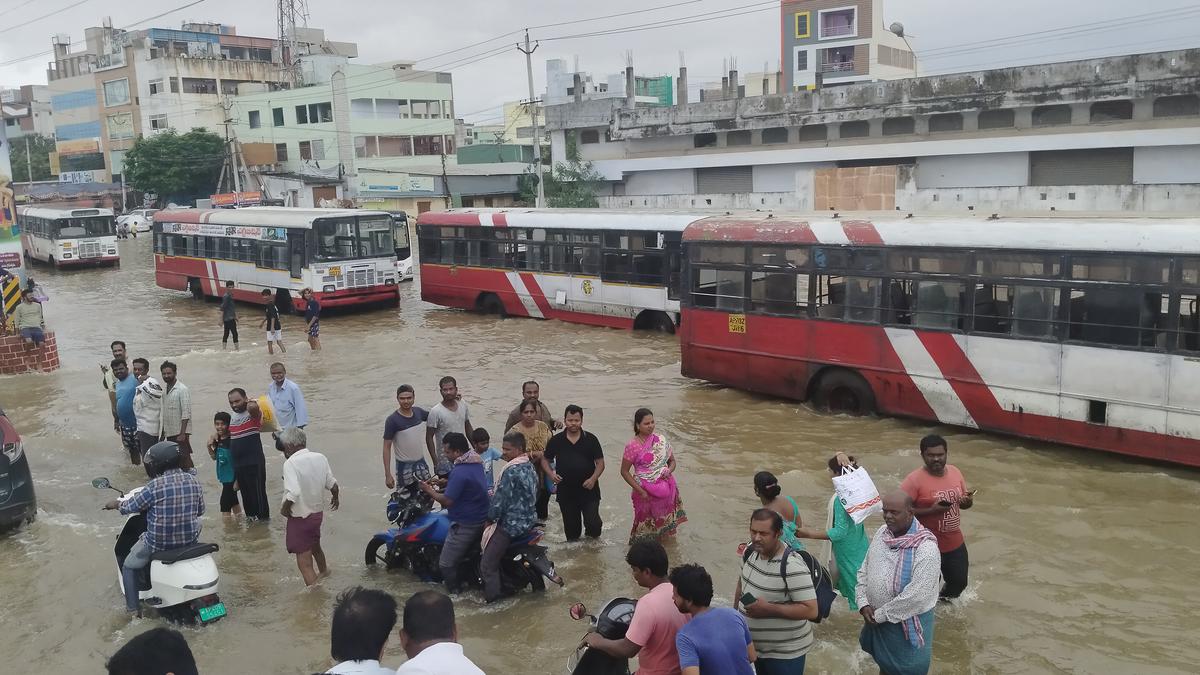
(261, 216)
(53, 213)
(1115, 234)
(571, 219)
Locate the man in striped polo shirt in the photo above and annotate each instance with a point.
(245, 448)
(777, 609)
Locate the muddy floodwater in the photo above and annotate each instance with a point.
(1080, 562)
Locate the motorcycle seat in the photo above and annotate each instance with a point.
(189, 552)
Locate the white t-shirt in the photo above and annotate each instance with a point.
(370, 667)
(306, 477)
(443, 421)
(440, 659)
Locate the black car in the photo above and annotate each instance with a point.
(18, 504)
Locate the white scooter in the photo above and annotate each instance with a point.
(180, 584)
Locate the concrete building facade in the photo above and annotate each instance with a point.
(1110, 134)
(839, 41)
(27, 111)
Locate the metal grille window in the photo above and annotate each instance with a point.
(1113, 315)
(848, 298)
(779, 293)
(725, 179)
(719, 289)
(1103, 166)
(1020, 311)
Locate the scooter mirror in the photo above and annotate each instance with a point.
(578, 611)
(101, 483)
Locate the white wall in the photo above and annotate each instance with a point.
(989, 170)
(671, 182)
(1166, 165)
(775, 177)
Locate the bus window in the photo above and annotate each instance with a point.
(1189, 322)
(335, 238)
(1022, 311)
(719, 289)
(938, 305)
(1116, 316)
(616, 266)
(719, 253)
(1121, 269)
(589, 260)
(779, 293)
(1042, 265)
(862, 299)
(646, 268)
(778, 256)
(831, 297)
(296, 253)
(923, 261)
(375, 237)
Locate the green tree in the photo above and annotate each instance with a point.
(569, 185)
(176, 167)
(32, 151)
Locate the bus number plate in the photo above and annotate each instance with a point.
(335, 271)
(737, 323)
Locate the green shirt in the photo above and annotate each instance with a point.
(27, 315)
(850, 545)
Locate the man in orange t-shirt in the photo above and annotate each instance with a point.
(939, 491)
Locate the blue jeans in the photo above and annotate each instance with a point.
(780, 666)
(138, 558)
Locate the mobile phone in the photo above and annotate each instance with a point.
(972, 492)
(944, 502)
(748, 599)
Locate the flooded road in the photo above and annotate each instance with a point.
(1081, 562)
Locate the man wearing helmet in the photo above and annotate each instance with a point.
(173, 502)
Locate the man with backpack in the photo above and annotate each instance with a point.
(777, 594)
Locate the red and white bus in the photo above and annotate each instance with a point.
(345, 255)
(66, 237)
(1078, 331)
(606, 268)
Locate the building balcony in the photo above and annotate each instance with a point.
(837, 67)
(838, 31)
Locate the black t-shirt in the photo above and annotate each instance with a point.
(273, 317)
(576, 463)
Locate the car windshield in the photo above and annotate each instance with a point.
(84, 227)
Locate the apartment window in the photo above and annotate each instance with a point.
(704, 140)
(116, 92)
(427, 145)
(448, 145)
(740, 137)
(837, 23)
(281, 154)
(1051, 115)
(158, 122)
(395, 146)
(801, 60)
(997, 119)
(1111, 111)
(946, 122)
(199, 85)
(314, 113)
(306, 150)
(898, 126)
(301, 114)
(318, 149)
(156, 87)
(803, 25)
(774, 135)
(859, 129)
(365, 147)
(589, 136)
(277, 116)
(230, 87)
(174, 81)
(838, 60)
(255, 119)
(813, 132)
(1187, 105)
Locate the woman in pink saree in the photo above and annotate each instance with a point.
(648, 465)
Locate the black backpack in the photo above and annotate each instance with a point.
(821, 581)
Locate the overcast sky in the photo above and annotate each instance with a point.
(945, 35)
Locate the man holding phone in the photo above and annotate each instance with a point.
(939, 492)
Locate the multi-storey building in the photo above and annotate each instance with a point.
(1109, 134)
(838, 41)
(351, 132)
(27, 111)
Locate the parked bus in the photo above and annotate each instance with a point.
(607, 268)
(346, 256)
(68, 237)
(1078, 331)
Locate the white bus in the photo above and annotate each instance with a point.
(68, 237)
(345, 255)
(608, 268)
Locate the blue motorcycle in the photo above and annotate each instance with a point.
(414, 542)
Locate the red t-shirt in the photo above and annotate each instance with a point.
(655, 622)
(926, 490)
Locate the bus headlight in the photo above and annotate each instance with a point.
(328, 289)
(66, 255)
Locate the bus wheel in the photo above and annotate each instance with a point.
(194, 287)
(656, 321)
(844, 391)
(488, 303)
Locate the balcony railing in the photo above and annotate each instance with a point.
(838, 67)
(837, 31)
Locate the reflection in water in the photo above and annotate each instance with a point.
(1077, 558)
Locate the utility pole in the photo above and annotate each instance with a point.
(533, 113)
(29, 170)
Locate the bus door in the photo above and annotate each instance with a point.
(296, 253)
(673, 267)
(400, 236)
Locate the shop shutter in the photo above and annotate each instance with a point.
(724, 179)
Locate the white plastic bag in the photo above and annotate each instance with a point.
(857, 493)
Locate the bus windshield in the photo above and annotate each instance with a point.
(340, 239)
(69, 228)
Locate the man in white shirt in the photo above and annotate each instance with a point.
(287, 399)
(306, 477)
(450, 415)
(430, 638)
(362, 622)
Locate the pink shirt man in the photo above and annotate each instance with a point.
(655, 622)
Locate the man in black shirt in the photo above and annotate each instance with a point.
(271, 324)
(579, 463)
